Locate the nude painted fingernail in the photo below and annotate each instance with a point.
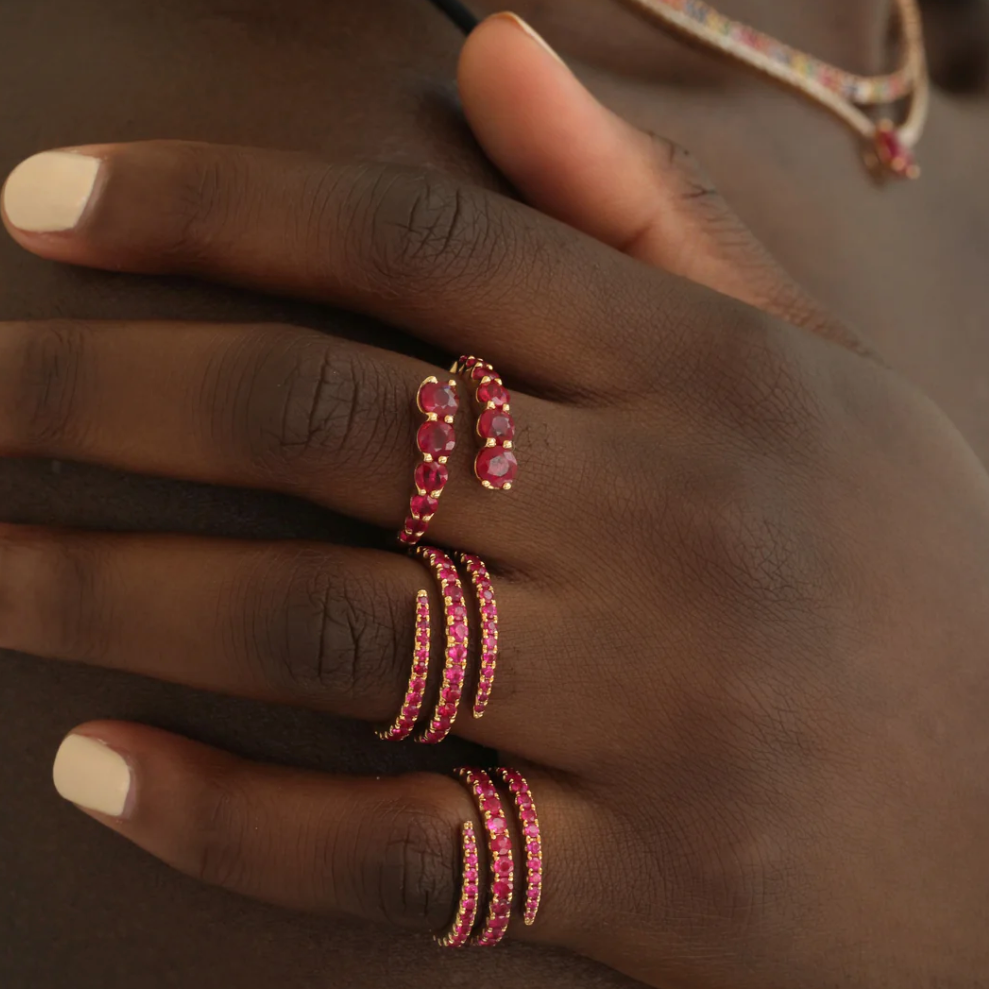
(49, 192)
(91, 775)
(531, 32)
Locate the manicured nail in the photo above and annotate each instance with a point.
(531, 32)
(91, 775)
(48, 193)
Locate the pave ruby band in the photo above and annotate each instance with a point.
(500, 861)
(496, 465)
(416, 690)
(456, 647)
(532, 839)
(463, 923)
(487, 609)
(435, 441)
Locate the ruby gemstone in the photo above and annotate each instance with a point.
(437, 439)
(531, 830)
(535, 878)
(496, 825)
(481, 371)
(502, 890)
(458, 632)
(431, 477)
(447, 710)
(501, 843)
(497, 923)
(534, 848)
(493, 393)
(893, 152)
(491, 644)
(457, 654)
(496, 425)
(497, 466)
(438, 399)
(504, 867)
(455, 676)
(527, 814)
(424, 506)
(492, 805)
(501, 909)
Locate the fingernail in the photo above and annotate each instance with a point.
(49, 192)
(91, 775)
(531, 32)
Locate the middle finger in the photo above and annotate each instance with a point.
(279, 408)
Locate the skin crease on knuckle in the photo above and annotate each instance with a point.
(344, 91)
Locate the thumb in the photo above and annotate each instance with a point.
(574, 159)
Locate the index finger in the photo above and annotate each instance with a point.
(466, 269)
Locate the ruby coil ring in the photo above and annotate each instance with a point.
(435, 441)
(457, 643)
(496, 465)
(487, 609)
(532, 839)
(501, 863)
(466, 918)
(416, 690)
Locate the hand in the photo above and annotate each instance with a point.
(742, 578)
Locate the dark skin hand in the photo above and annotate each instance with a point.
(268, 747)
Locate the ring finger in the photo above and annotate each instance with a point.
(324, 627)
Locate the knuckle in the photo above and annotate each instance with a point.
(317, 404)
(50, 378)
(203, 188)
(217, 853)
(53, 595)
(409, 877)
(423, 227)
(334, 636)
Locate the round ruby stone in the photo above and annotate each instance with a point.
(502, 890)
(457, 611)
(458, 632)
(490, 611)
(498, 923)
(534, 848)
(535, 878)
(504, 867)
(494, 424)
(491, 644)
(893, 152)
(454, 593)
(492, 393)
(501, 909)
(447, 710)
(481, 371)
(527, 814)
(457, 654)
(431, 477)
(496, 825)
(437, 439)
(497, 466)
(438, 399)
(492, 805)
(455, 676)
(450, 695)
(501, 843)
(531, 830)
(471, 874)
